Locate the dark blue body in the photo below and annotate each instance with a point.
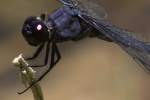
(67, 25)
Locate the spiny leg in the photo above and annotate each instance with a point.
(58, 55)
(37, 52)
(54, 52)
(46, 56)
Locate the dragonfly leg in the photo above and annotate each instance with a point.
(46, 56)
(37, 52)
(58, 55)
(54, 52)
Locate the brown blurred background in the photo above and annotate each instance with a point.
(90, 69)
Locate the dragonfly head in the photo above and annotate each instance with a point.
(35, 31)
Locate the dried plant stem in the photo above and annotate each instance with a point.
(27, 76)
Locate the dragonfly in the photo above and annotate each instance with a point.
(74, 21)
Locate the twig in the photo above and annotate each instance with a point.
(27, 76)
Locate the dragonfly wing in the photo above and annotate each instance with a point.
(140, 57)
(137, 49)
(87, 7)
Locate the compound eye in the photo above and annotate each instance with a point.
(39, 27)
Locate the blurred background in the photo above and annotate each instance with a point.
(90, 69)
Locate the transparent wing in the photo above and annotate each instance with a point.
(137, 49)
(94, 10)
(140, 57)
(87, 7)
